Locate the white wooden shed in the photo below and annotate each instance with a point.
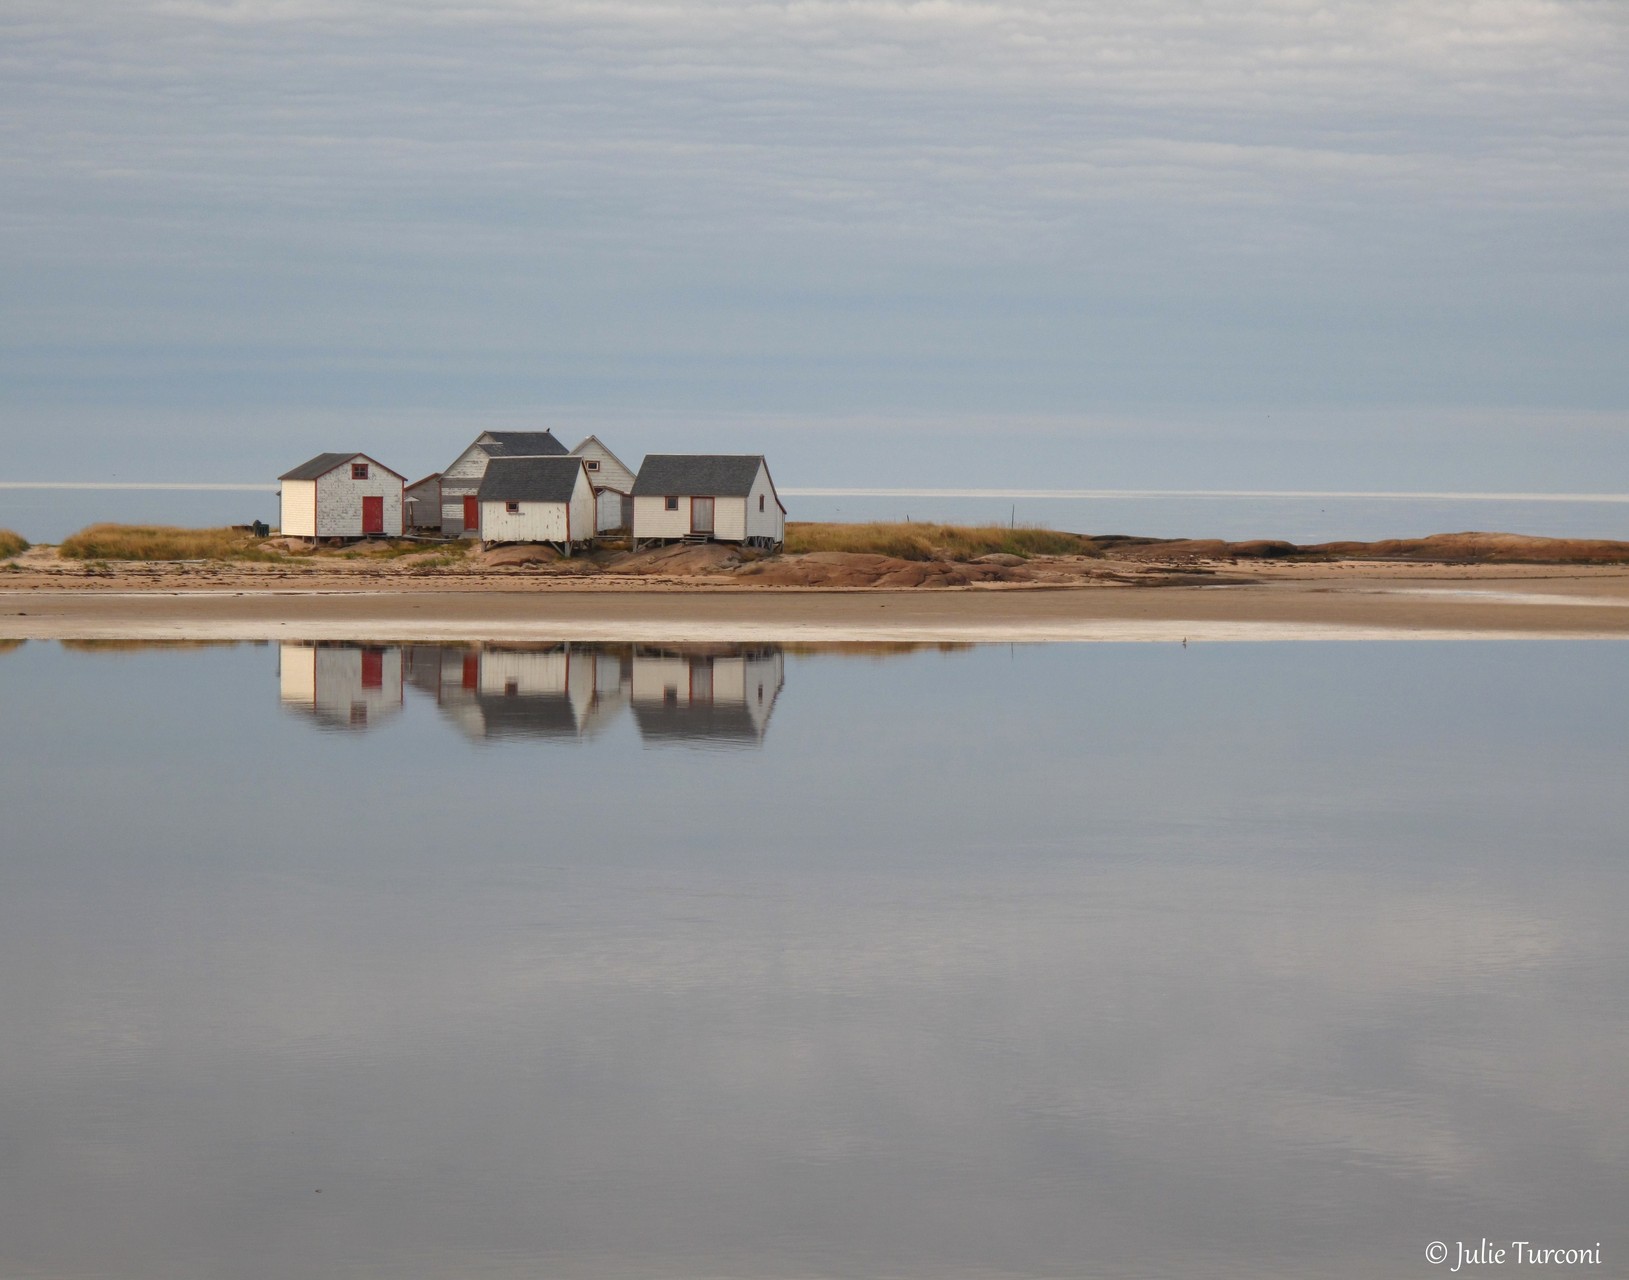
(461, 482)
(719, 497)
(537, 500)
(342, 495)
(613, 485)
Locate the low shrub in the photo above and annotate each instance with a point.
(161, 542)
(935, 541)
(11, 544)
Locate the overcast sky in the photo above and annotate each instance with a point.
(1247, 243)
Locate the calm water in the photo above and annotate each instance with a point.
(1244, 960)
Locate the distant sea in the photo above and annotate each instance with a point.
(49, 515)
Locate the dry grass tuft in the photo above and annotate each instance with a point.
(11, 544)
(162, 542)
(934, 541)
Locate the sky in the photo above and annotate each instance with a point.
(1170, 244)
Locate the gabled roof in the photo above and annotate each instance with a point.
(719, 475)
(521, 444)
(323, 463)
(588, 440)
(531, 479)
(434, 475)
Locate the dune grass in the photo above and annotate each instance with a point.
(934, 541)
(11, 544)
(162, 542)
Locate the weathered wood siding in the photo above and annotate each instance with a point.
(424, 505)
(534, 522)
(730, 519)
(611, 473)
(459, 481)
(298, 518)
(652, 521)
(771, 521)
(612, 511)
(339, 501)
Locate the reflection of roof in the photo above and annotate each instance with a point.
(726, 724)
(530, 479)
(527, 715)
(521, 444)
(714, 474)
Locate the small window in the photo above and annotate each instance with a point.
(672, 504)
(593, 464)
(760, 502)
(513, 508)
(359, 471)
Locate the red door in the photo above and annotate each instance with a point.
(373, 515)
(373, 668)
(472, 513)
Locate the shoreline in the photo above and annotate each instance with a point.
(1333, 602)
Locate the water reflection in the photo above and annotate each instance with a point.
(1120, 961)
(717, 695)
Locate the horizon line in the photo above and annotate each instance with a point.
(879, 492)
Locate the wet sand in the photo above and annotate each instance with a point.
(1330, 602)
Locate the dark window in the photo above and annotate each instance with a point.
(672, 503)
(359, 471)
(593, 464)
(513, 508)
(760, 502)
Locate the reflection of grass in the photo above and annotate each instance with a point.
(133, 646)
(162, 542)
(11, 544)
(6, 646)
(934, 541)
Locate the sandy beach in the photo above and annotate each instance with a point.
(1341, 601)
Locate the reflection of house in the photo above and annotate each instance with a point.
(554, 691)
(613, 485)
(341, 495)
(537, 500)
(723, 497)
(462, 480)
(710, 695)
(723, 695)
(342, 686)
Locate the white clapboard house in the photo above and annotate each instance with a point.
(537, 500)
(613, 485)
(718, 497)
(461, 482)
(342, 495)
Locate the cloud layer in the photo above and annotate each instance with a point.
(813, 207)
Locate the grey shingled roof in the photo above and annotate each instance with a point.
(321, 465)
(717, 475)
(530, 479)
(522, 444)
